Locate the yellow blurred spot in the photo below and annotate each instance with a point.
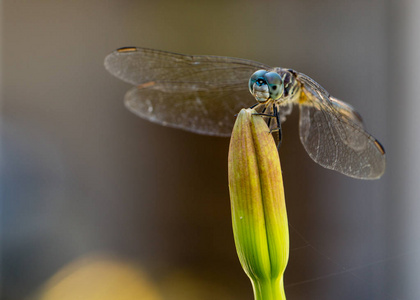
(186, 285)
(99, 278)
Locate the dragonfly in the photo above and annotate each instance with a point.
(203, 93)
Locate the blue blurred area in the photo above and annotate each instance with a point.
(80, 173)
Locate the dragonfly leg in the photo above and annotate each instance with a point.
(278, 129)
(251, 107)
(269, 123)
(265, 115)
(262, 113)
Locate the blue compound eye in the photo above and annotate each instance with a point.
(275, 85)
(257, 77)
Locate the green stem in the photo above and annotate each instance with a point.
(269, 289)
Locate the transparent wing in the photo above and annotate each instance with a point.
(346, 111)
(333, 134)
(190, 107)
(142, 65)
(196, 93)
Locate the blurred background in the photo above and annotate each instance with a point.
(96, 201)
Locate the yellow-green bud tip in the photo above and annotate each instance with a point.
(258, 206)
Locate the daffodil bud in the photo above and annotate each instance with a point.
(259, 215)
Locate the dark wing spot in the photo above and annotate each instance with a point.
(127, 49)
(380, 147)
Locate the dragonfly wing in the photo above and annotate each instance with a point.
(346, 111)
(195, 107)
(142, 65)
(333, 135)
(196, 93)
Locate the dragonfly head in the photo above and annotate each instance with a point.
(265, 86)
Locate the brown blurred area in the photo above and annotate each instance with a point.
(81, 174)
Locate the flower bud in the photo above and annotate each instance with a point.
(259, 216)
